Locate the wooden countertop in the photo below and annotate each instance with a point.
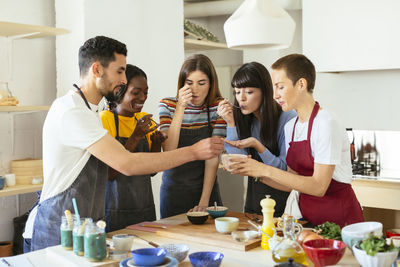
(232, 258)
(56, 256)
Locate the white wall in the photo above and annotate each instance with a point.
(152, 31)
(33, 83)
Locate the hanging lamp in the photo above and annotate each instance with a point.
(259, 24)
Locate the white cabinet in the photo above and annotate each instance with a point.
(350, 35)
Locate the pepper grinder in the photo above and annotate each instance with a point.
(268, 226)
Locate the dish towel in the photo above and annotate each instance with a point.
(292, 205)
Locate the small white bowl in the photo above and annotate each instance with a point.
(381, 259)
(226, 225)
(177, 251)
(355, 232)
(226, 160)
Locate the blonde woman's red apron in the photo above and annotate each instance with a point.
(339, 204)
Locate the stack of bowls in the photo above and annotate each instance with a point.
(149, 256)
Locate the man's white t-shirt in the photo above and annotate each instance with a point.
(69, 129)
(329, 143)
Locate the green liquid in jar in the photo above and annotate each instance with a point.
(95, 246)
(66, 239)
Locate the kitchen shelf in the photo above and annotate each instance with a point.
(18, 30)
(20, 189)
(192, 44)
(23, 108)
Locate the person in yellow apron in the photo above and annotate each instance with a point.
(129, 199)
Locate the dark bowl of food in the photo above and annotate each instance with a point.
(197, 217)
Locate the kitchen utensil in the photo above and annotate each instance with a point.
(324, 252)
(381, 259)
(217, 211)
(197, 217)
(78, 218)
(206, 258)
(202, 234)
(177, 251)
(253, 217)
(148, 242)
(10, 179)
(149, 256)
(153, 226)
(355, 232)
(122, 242)
(226, 225)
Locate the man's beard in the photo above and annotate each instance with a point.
(110, 96)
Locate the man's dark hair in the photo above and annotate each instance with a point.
(297, 66)
(99, 48)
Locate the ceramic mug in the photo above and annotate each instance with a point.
(2, 181)
(10, 179)
(122, 242)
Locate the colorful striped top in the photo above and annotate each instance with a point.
(193, 118)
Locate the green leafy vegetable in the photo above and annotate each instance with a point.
(329, 230)
(374, 244)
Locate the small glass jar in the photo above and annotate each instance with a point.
(66, 228)
(95, 248)
(77, 236)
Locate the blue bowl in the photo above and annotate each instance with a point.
(206, 259)
(218, 211)
(149, 256)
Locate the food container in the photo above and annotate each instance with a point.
(197, 217)
(206, 258)
(122, 242)
(66, 228)
(78, 236)
(94, 242)
(177, 251)
(217, 211)
(355, 232)
(381, 259)
(226, 160)
(226, 225)
(149, 256)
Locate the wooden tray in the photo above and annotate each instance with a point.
(208, 235)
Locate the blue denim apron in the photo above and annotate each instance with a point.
(89, 191)
(182, 186)
(129, 199)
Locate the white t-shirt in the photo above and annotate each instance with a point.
(69, 129)
(329, 143)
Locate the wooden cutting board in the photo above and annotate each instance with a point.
(208, 235)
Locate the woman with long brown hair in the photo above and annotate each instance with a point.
(255, 127)
(186, 119)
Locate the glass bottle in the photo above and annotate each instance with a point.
(95, 248)
(77, 236)
(268, 226)
(66, 228)
(288, 246)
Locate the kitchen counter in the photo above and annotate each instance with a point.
(254, 257)
(56, 256)
(377, 192)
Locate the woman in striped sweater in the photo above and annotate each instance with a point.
(188, 118)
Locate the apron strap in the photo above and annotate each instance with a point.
(208, 120)
(116, 120)
(82, 95)
(313, 115)
(294, 127)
